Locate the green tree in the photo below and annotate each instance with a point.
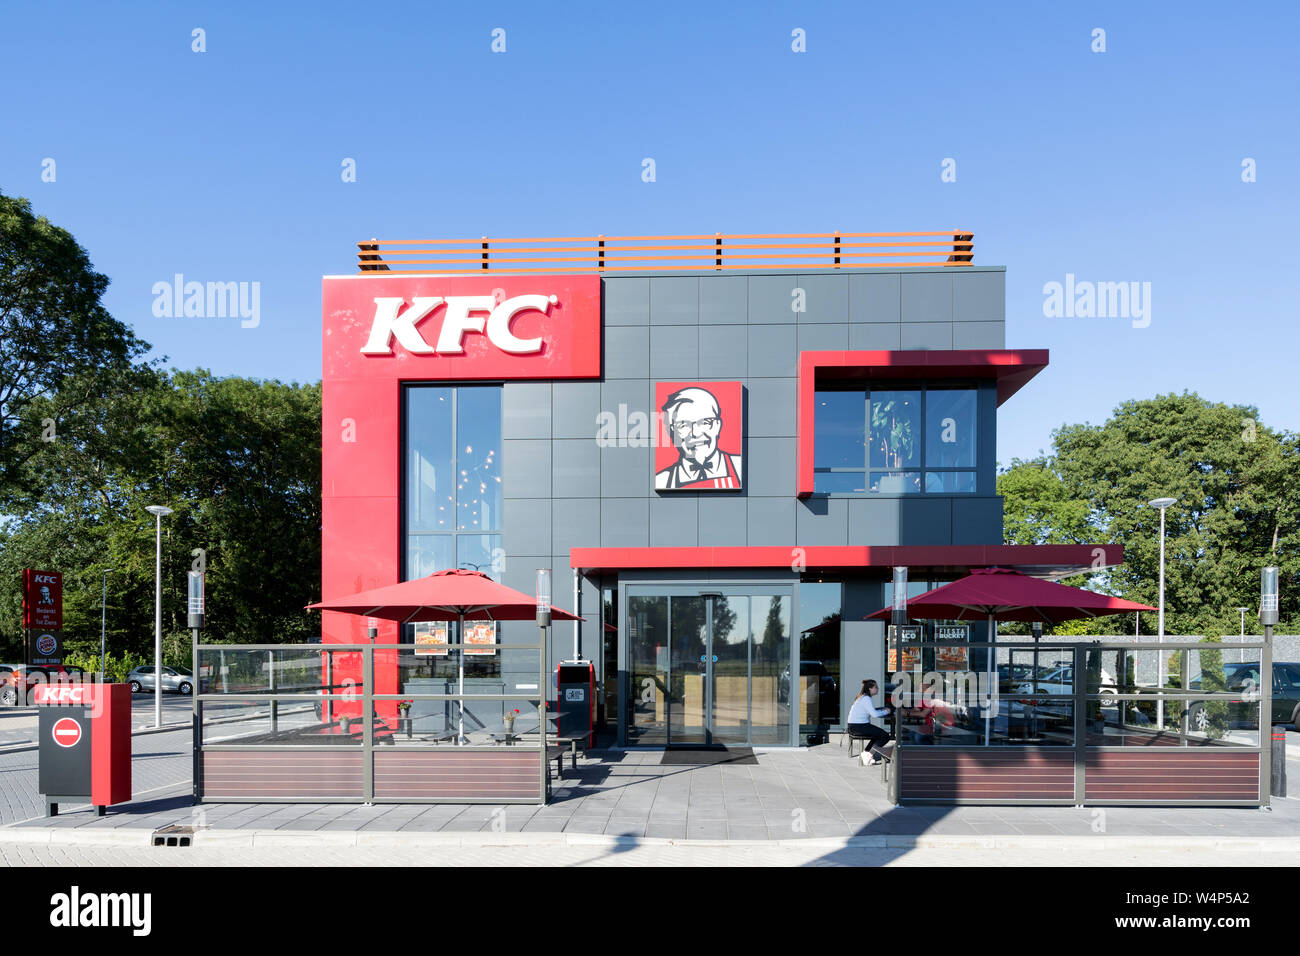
(238, 460)
(58, 344)
(1237, 486)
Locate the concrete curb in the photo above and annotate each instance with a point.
(253, 839)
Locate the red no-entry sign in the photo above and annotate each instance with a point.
(67, 732)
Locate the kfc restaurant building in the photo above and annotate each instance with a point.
(723, 450)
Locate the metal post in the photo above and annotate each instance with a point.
(543, 658)
(368, 723)
(270, 664)
(103, 624)
(157, 622)
(1160, 633)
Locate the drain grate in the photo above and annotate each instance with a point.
(174, 836)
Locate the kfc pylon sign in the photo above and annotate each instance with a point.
(64, 693)
(42, 600)
(459, 327)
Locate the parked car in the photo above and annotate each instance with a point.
(1060, 680)
(1244, 678)
(17, 683)
(174, 680)
(827, 687)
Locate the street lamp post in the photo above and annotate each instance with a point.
(158, 511)
(103, 624)
(1162, 504)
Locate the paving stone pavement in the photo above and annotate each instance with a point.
(642, 855)
(815, 793)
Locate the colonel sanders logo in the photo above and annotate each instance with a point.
(45, 595)
(693, 418)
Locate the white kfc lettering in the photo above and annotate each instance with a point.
(389, 323)
(45, 578)
(457, 321)
(458, 318)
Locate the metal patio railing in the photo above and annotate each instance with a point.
(371, 723)
(1091, 735)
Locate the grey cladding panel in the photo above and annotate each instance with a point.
(575, 468)
(875, 298)
(526, 410)
(674, 301)
(575, 523)
(769, 469)
(527, 472)
(724, 352)
(674, 352)
(675, 520)
(822, 521)
(927, 297)
(771, 408)
(627, 301)
(627, 351)
(625, 523)
(771, 521)
(826, 298)
(724, 300)
(574, 409)
(771, 299)
(979, 296)
(772, 351)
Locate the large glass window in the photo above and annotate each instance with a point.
(452, 465)
(818, 684)
(895, 441)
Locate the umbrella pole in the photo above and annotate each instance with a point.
(988, 664)
(460, 683)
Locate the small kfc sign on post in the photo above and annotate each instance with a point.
(700, 437)
(42, 600)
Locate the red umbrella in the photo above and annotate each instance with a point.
(1011, 596)
(450, 595)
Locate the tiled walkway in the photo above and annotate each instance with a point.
(782, 795)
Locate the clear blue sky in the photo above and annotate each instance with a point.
(1115, 166)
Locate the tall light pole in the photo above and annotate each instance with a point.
(1162, 504)
(103, 623)
(158, 511)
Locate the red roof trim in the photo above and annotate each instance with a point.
(1010, 368)
(1048, 559)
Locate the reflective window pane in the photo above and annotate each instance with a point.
(480, 552)
(426, 553)
(478, 459)
(950, 482)
(896, 482)
(950, 427)
(840, 429)
(895, 429)
(840, 482)
(430, 494)
(646, 704)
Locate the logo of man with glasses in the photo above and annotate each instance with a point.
(693, 419)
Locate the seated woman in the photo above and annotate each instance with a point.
(859, 722)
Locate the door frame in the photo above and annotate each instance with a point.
(668, 586)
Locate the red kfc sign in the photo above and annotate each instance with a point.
(42, 600)
(462, 327)
(702, 428)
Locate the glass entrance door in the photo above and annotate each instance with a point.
(708, 666)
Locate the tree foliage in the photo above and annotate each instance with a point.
(58, 344)
(239, 462)
(1237, 486)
